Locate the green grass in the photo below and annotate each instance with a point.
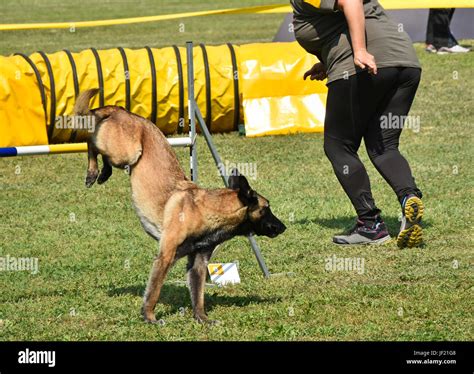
(210, 29)
(85, 291)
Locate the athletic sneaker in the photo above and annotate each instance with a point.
(364, 233)
(410, 231)
(430, 48)
(455, 49)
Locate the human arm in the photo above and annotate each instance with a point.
(354, 12)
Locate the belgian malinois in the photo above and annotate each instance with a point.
(187, 220)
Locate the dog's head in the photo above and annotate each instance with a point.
(260, 217)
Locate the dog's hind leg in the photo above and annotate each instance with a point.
(106, 171)
(161, 265)
(197, 270)
(92, 169)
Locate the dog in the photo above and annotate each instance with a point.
(186, 220)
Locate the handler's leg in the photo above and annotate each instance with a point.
(342, 137)
(343, 129)
(382, 141)
(383, 135)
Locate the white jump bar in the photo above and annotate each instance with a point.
(70, 148)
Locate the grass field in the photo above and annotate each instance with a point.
(93, 268)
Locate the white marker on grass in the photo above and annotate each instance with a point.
(223, 274)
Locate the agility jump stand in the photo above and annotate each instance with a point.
(194, 113)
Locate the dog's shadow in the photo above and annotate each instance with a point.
(177, 296)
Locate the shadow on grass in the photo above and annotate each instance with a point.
(340, 224)
(178, 296)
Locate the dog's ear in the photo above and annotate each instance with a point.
(234, 172)
(233, 179)
(239, 183)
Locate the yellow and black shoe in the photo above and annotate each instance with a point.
(410, 231)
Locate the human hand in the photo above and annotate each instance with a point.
(364, 59)
(318, 72)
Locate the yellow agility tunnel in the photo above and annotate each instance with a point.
(259, 84)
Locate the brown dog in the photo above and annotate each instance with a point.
(187, 220)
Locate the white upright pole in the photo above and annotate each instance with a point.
(191, 112)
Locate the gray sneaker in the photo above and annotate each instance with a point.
(364, 233)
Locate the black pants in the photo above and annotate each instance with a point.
(438, 32)
(370, 107)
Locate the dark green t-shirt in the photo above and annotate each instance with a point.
(322, 30)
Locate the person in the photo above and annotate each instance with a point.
(372, 76)
(439, 38)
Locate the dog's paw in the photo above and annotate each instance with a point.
(91, 177)
(104, 175)
(213, 322)
(204, 320)
(200, 318)
(148, 316)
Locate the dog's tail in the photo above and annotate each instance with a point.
(81, 107)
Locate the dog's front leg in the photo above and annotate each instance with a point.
(197, 270)
(92, 168)
(161, 265)
(106, 171)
